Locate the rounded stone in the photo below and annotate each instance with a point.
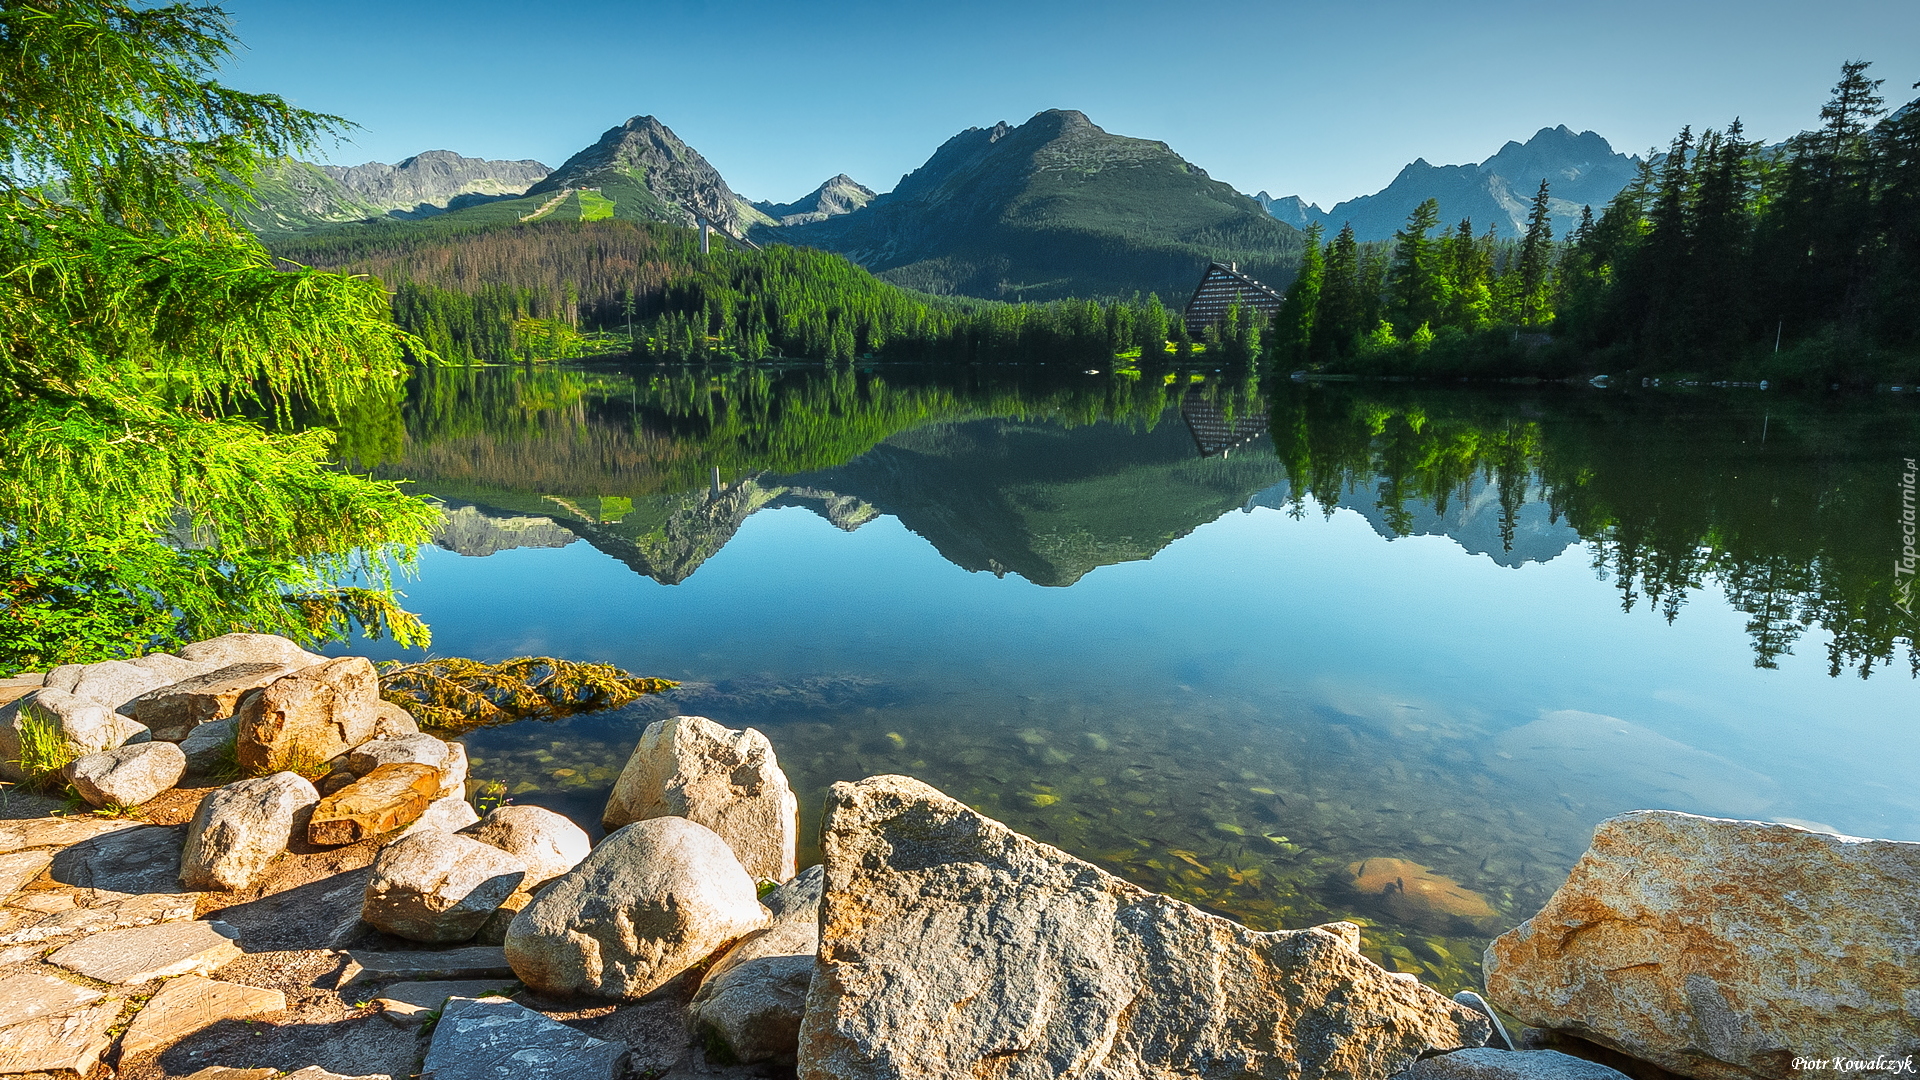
(438, 887)
(547, 842)
(127, 775)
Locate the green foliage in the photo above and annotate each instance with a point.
(457, 694)
(44, 754)
(1729, 251)
(151, 355)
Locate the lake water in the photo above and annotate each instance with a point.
(1292, 653)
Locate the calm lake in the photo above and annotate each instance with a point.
(1377, 651)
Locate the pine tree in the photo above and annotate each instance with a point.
(1416, 281)
(1536, 262)
(1293, 326)
(1342, 316)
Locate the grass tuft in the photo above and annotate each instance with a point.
(45, 754)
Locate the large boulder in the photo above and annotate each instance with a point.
(1484, 1063)
(727, 780)
(416, 748)
(654, 899)
(306, 718)
(952, 946)
(83, 724)
(210, 747)
(547, 842)
(127, 775)
(231, 649)
(388, 798)
(172, 712)
(239, 829)
(752, 998)
(438, 887)
(1723, 949)
(116, 683)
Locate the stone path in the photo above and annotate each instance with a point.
(409, 1004)
(472, 962)
(189, 1004)
(145, 953)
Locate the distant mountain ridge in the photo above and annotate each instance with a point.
(1055, 207)
(1581, 169)
(296, 196)
(840, 195)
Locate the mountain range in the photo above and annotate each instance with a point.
(1055, 207)
(1581, 169)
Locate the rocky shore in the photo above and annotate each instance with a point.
(342, 909)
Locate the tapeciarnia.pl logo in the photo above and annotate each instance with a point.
(1904, 566)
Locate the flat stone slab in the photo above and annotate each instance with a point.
(139, 860)
(105, 912)
(72, 1042)
(52, 832)
(1485, 1063)
(496, 1039)
(221, 1072)
(472, 962)
(19, 867)
(315, 1072)
(408, 1004)
(28, 996)
(145, 953)
(388, 798)
(190, 1003)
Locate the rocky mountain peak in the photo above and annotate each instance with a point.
(645, 153)
(433, 181)
(840, 195)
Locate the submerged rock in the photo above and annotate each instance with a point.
(1416, 894)
(727, 780)
(239, 829)
(953, 946)
(654, 899)
(1723, 949)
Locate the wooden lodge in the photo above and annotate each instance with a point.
(1220, 288)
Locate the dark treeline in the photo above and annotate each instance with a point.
(1724, 259)
(559, 290)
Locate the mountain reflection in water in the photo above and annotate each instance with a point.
(1226, 687)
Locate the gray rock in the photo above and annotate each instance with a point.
(416, 749)
(66, 1043)
(390, 721)
(140, 860)
(453, 774)
(57, 832)
(437, 887)
(445, 815)
(127, 775)
(232, 649)
(26, 995)
(210, 746)
(952, 946)
(172, 712)
(315, 1072)
(1488, 1064)
(309, 716)
(752, 998)
(1723, 950)
(145, 953)
(86, 725)
(116, 683)
(547, 842)
(192, 1003)
(409, 1004)
(727, 780)
(472, 962)
(495, 1039)
(239, 829)
(654, 899)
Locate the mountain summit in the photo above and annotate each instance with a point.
(644, 169)
(840, 195)
(1054, 207)
(1582, 169)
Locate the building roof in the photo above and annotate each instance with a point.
(1222, 286)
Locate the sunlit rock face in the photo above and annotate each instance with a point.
(1721, 949)
(951, 945)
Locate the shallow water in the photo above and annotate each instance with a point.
(1387, 646)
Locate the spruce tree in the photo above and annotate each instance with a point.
(1416, 282)
(1293, 326)
(1343, 307)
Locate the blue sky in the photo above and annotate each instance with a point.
(1323, 100)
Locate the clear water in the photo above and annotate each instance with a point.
(1395, 629)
